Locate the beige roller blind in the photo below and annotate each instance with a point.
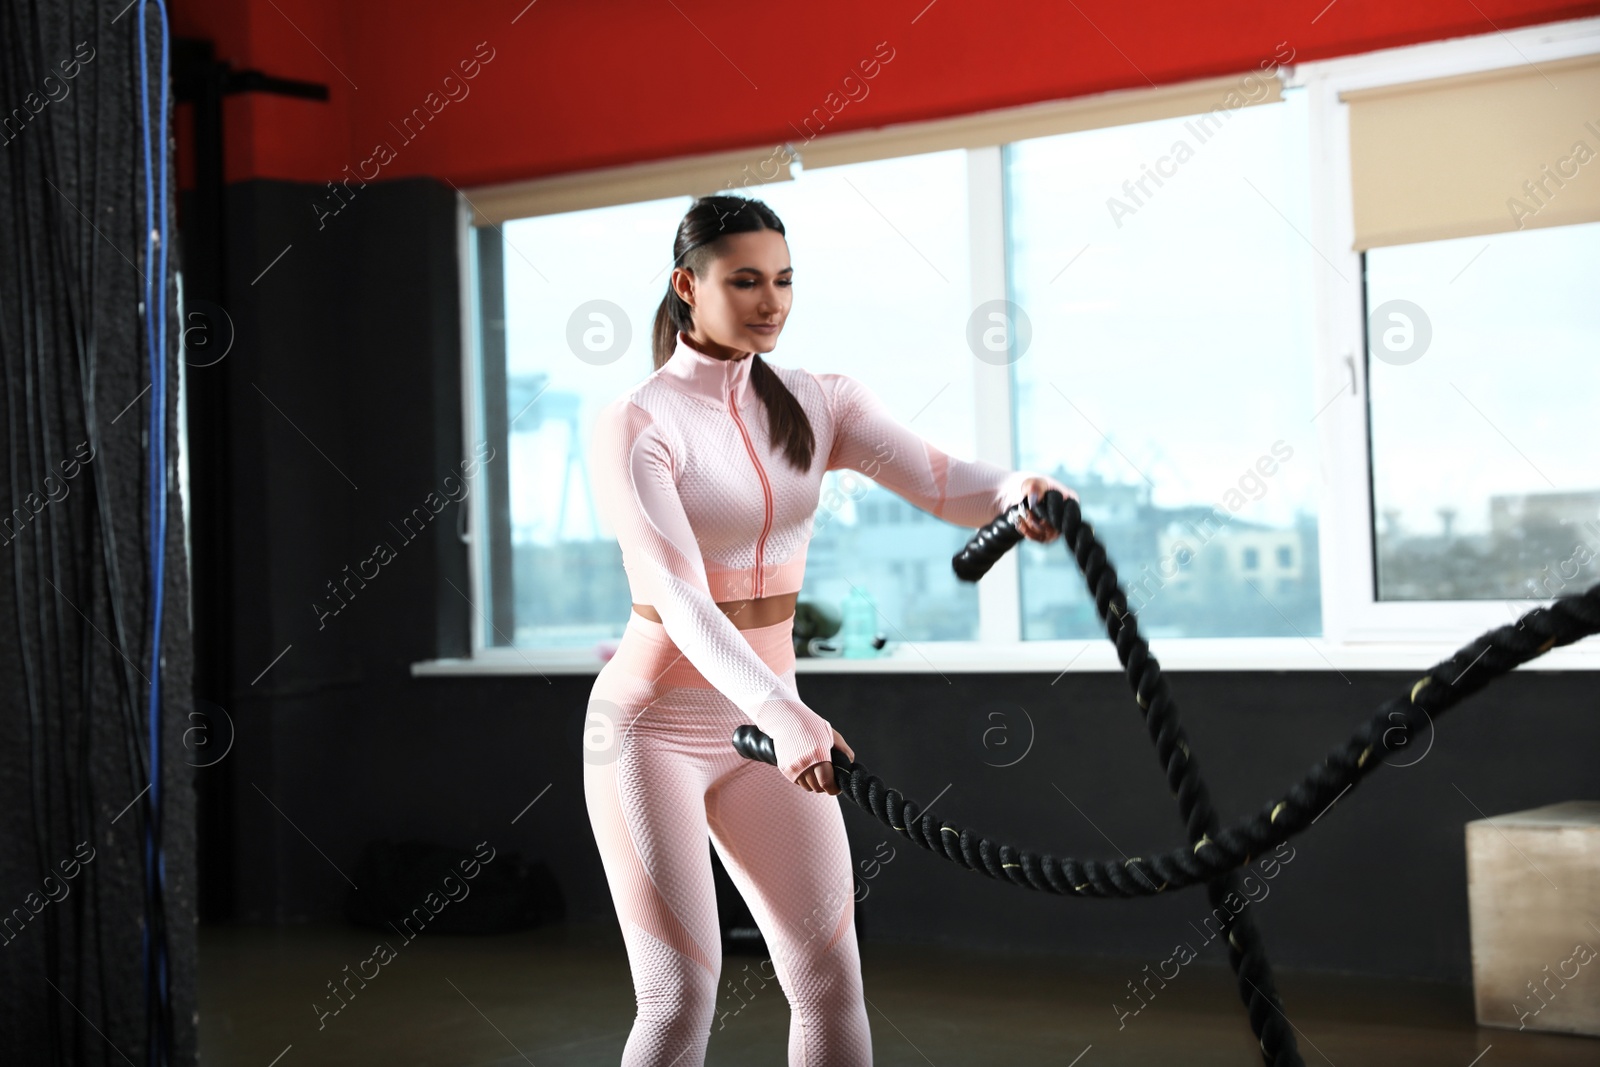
(733, 171)
(725, 172)
(1478, 153)
(1021, 123)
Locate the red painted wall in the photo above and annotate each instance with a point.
(561, 85)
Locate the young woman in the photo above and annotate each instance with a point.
(710, 471)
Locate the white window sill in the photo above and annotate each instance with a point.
(1056, 657)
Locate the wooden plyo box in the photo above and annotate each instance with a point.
(1533, 893)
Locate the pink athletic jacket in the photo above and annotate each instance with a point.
(705, 510)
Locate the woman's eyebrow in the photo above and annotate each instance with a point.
(756, 271)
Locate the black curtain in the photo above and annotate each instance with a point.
(77, 611)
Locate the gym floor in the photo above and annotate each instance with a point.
(563, 996)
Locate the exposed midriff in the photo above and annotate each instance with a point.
(744, 614)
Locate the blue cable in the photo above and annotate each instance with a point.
(155, 306)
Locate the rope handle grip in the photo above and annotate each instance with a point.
(1000, 536)
(751, 743)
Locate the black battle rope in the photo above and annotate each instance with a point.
(1215, 853)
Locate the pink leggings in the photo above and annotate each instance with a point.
(660, 772)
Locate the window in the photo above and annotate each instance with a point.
(1307, 396)
(1459, 241)
(580, 291)
(566, 302)
(1168, 373)
(1483, 374)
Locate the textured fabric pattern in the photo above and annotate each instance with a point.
(706, 510)
(660, 777)
(867, 438)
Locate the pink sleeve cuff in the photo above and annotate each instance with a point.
(800, 737)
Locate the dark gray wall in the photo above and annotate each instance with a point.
(356, 338)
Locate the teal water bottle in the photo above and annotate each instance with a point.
(859, 627)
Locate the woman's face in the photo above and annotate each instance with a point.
(744, 288)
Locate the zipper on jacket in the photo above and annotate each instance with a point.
(758, 582)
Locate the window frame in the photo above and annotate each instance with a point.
(1352, 614)
(1359, 632)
